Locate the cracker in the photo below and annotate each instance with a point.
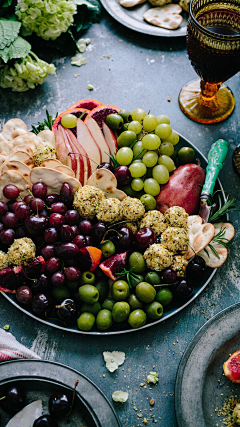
(13, 128)
(22, 156)
(210, 258)
(23, 148)
(13, 177)
(105, 180)
(24, 140)
(167, 16)
(5, 148)
(46, 137)
(17, 166)
(53, 179)
(131, 3)
(66, 170)
(200, 235)
(51, 163)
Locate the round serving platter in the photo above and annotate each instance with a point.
(169, 311)
(201, 388)
(40, 379)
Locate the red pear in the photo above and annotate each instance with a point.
(99, 138)
(110, 138)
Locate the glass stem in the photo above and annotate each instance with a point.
(209, 90)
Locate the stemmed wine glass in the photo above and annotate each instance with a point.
(213, 45)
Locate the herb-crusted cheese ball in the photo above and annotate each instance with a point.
(21, 251)
(110, 210)
(236, 414)
(133, 209)
(43, 152)
(158, 257)
(3, 260)
(179, 265)
(132, 226)
(175, 239)
(154, 220)
(176, 217)
(86, 201)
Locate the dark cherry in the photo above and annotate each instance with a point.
(67, 250)
(50, 235)
(183, 289)
(10, 220)
(28, 198)
(59, 405)
(56, 220)
(39, 189)
(71, 217)
(21, 231)
(124, 239)
(48, 251)
(196, 268)
(66, 194)
(36, 205)
(168, 276)
(72, 274)
(2, 227)
(58, 207)
(35, 225)
(44, 213)
(10, 205)
(123, 175)
(85, 227)
(7, 236)
(42, 304)
(45, 421)
(145, 237)
(10, 191)
(105, 165)
(24, 295)
(22, 211)
(99, 230)
(58, 279)
(15, 399)
(51, 198)
(40, 285)
(80, 241)
(53, 265)
(3, 208)
(67, 311)
(66, 233)
(75, 230)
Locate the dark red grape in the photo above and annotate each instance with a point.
(22, 211)
(168, 276)
(45, 421)
(183, 289)
(66, 233)
(48, 251)
(99, 230)
(59, 405)
(80, 241)
(18, 203)
(44, 213)
(75, 230)
(7, 236)
(58, 279)
(15, 399)
(10, 191)
(52, 265)
(42, 304)
(105, 165)
(28, 198)
(36, 205)
(56, 220)
(67, 250)
(72, 274)
(58, 207)
(3, 208)
(10, 220)
(50, 235)
(196, 268)
(72, 217)
(66, 194)
(10, 205)
(123, 239)
(39, 189)
(41, 285)
(85, 227)
(24, 295)
(66, 311)
(51, 198)
(144, 237)
(21, 232)
(123, 175)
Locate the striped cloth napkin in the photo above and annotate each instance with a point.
(10, 348)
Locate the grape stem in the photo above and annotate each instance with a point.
(73, 397)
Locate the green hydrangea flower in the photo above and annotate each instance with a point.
(47, 18)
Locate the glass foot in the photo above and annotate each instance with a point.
(206, 110)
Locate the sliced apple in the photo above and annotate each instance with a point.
(99, 138)
(110, 138)
(86, 140)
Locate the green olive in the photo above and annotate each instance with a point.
(134, 302)
(91, 308)
(88, 294)
(87, 278)
(120, 290)
(137, 261)
(145, 292)
(125, 126)
(108, 249)
(135, 280)
(114, 121)
(137, 318)
(129, 191)
(154, 310)
(186, 155)
(153, 278)
(164, 296)
(59, 294)
(73, 286)
(126, 138)
(148, 201)
(126, 115)
(104, 320)
(120, 311)
(108, 303)
(86, 321)
(103, 289)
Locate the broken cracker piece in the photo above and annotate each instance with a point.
(200, 235)
(105, 180)
(167, 16)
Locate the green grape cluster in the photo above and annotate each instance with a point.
(147, 146)
(25, 74)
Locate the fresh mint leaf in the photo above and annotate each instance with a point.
(8, 32)
(18, 49)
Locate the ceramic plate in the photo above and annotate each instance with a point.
(40, 379)
(201, 387)
(133, 19)
(169, 311)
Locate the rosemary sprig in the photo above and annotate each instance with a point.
(220, 239)
(229, 206)
(213, 250)
(113, 159)
(129, 275)
(47, 123)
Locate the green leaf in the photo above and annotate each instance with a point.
(8, 32)
(18, 49)
(7, 3)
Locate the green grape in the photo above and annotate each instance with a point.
(173, 138)
(150, 159)
(137, 148)
(151, 141)
(124, 156)
(137, 169)
(137, 184)
(163, 119)
(129, 191)
(167, 149)
(151, 187)
(174, 155)
(167, 161)
(137, 161)
(126, 138)
(69, 121)
(149, 122)
(125, 126)
(161, 174)
(149, 202)
(163, 130)
(135, 126)
(138, 114)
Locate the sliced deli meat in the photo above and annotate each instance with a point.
(53, 179)
(167, 16)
